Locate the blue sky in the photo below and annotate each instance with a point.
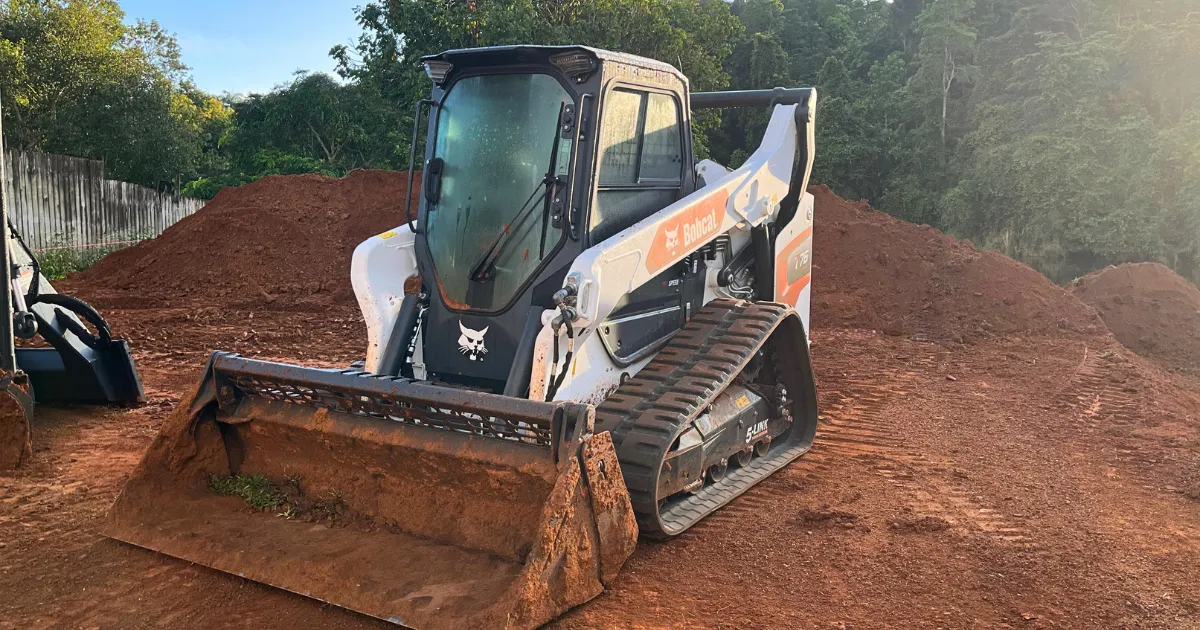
(251, 45)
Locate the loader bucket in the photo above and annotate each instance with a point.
(423, 505)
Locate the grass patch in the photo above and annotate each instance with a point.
(255, 490)
(57, 264)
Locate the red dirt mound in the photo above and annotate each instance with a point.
(284, 243)
(1152, 310)
(874, 271)
(279, 243)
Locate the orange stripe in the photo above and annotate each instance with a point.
(792, 293)
(785, 292)
(801, 283)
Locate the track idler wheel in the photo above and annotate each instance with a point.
(761, 448)
(716, 472)
(743, 458)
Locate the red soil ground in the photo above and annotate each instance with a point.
(1149, 308)
(876, 272)
(1040, 476)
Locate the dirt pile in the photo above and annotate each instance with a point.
(874, 271)
(284, 243)
(1150, 309)
(280, 243)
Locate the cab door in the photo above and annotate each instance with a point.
(642, 169)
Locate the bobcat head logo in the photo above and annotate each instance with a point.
(673, 239)
(470, 342)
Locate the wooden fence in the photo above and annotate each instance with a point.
(59, 202)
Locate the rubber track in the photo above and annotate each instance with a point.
(647, 412)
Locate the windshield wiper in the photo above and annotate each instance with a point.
(481, 271)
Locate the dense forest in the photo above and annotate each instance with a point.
(1065, 133)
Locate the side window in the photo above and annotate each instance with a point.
(641, 160)
(619, 137)
(662, 157)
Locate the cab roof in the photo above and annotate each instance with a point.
(525, 54)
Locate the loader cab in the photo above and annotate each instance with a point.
(533, 154)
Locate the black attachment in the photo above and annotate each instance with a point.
(764, 262)
(517, 384)
(753, 98)
(395, 354)
(80, 366)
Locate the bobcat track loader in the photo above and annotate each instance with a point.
(78, 361)
(609, 339)
(75, 364)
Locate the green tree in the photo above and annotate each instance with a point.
(1083, 140)
(313, 124)
(945, 53)
(77, 80)
(693, 35)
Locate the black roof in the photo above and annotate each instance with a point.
(523, 53)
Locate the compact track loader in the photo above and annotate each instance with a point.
(609, 339)
(78, 361)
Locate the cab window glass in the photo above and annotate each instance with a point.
(641, 160)
(619, 135)
(662, 158)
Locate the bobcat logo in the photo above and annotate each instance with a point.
(672, 240)
(470, 342)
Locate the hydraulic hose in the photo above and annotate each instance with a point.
(562, 374)
(99, 341)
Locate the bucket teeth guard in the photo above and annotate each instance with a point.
(427, 506)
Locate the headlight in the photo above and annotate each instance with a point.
(437, 70)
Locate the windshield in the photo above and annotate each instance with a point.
(491, 229)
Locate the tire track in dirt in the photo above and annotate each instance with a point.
(854, 430)
(1113, 400)
(1095, 391)
(854, 426)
